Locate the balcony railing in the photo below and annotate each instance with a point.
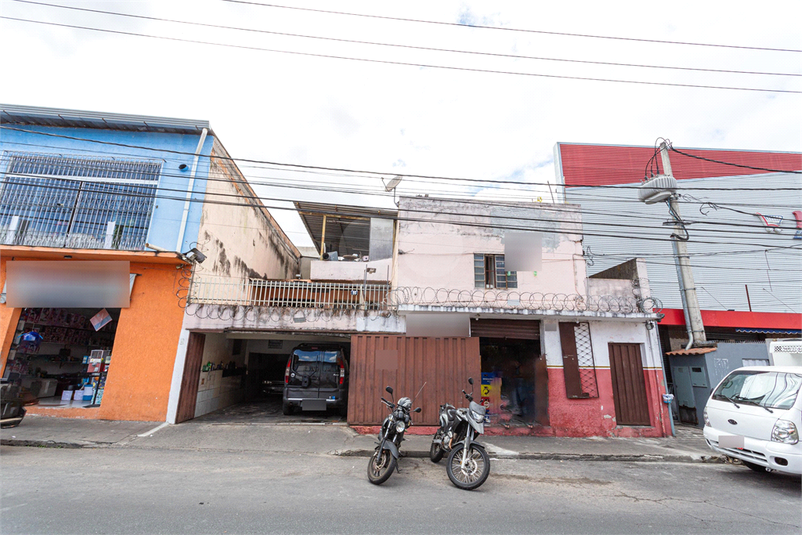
(216, 290)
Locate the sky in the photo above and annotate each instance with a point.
(467, 109)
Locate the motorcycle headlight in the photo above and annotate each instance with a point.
(478, 417)
(785, 431)
(399, 426)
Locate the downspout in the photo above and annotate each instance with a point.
(183, 228)
(682, 294)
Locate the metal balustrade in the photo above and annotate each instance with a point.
(217, 290)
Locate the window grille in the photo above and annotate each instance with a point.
(93, 203)
(584, 355)
(489, 272)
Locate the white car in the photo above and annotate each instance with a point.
(755, 415)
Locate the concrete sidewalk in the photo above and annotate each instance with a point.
(337, 439)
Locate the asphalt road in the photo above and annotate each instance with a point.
(137, 491)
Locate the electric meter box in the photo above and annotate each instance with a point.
(699, 376)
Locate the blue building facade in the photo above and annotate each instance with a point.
(88, 180)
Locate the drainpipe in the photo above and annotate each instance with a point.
(183, 228)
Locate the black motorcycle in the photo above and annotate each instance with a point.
(385, 457)
(468, 463)
(13, 400)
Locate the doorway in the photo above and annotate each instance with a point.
(629, 385)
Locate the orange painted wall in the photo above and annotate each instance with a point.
(143, 355)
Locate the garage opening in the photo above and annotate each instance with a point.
(244, 377)
(62, 355)
(514, 375)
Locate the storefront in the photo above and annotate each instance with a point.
(62, 355)
(514, 374)
(94, 360)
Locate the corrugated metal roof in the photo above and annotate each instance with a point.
(768, 273)
(692, 351)
(598, 165)
(36, 116)
(769, 331)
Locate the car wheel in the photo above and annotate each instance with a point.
(286, 408)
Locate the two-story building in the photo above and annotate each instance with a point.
(103, 218)
(441, 290)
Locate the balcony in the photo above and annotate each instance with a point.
(216, 290)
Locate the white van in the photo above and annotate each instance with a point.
(755, 415)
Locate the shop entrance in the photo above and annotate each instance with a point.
(62, 355)
(514, 375)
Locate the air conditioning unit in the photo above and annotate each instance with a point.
(657, 189)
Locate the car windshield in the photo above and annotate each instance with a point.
(776, 390)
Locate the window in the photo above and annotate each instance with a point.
(489, 272)
(94, 203)
(776, 390)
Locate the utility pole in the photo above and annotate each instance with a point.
(697, 328)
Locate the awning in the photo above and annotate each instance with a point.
(770, 331)
(692, 351)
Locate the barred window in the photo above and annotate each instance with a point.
(489, 272)
(93, 203)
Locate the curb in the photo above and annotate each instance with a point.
(46, 443)
(686, 458)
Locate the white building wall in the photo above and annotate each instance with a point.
(438, 238)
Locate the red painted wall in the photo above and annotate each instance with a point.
(596, 416)
(744, 320)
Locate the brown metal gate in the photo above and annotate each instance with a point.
(629, 385)
(189, 383)
(516, 329)
(405, 363)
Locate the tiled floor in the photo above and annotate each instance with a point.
(56, 401)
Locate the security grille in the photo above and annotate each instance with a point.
(57, 201)
(587, 366)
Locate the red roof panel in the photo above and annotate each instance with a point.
(601, 165)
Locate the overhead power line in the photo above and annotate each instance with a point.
(508, 29)
(407, 46)
(402, 63)
(377, 174)
(433, 219)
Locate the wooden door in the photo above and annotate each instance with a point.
(189, 383)
(629, 385)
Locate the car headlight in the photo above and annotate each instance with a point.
(400, 426)
(785, 431)
(476, 416)
(707, 420)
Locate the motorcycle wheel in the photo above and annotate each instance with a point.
(436, 451)
(477, 467)
(381, 466)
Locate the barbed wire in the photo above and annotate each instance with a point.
(505, 299)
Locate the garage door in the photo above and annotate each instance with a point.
(406, 363)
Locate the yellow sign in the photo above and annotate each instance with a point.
(486, 389)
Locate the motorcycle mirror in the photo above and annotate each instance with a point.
(389, 389)
(417, 410)
(470, 380)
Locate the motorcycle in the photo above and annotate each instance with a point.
(13, 400)
(385, 458)
(468, 464)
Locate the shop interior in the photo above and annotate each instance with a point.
(62, 355)
(509, 379)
